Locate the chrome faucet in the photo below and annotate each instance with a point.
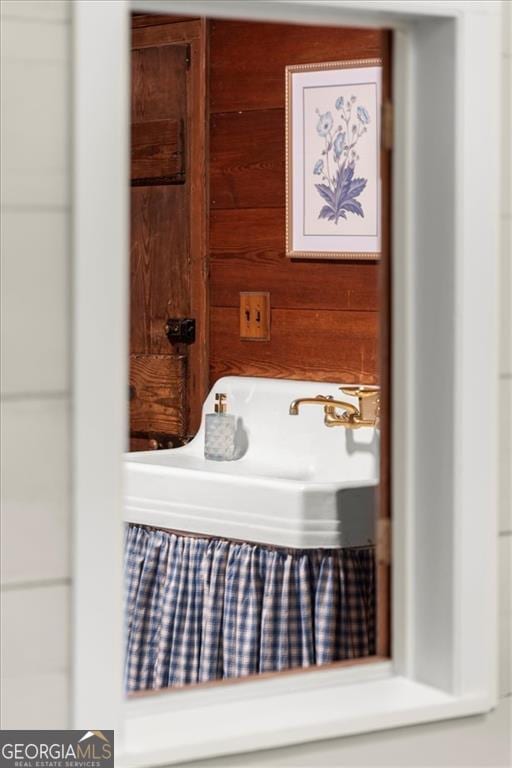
(352, 417)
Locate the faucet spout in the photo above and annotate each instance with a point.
(329, 405)
(318, 400)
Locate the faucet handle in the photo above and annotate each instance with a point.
(368, 397)
(361, 390)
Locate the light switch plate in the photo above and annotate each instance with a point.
(255, 316)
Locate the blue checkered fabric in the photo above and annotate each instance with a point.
(201, 609)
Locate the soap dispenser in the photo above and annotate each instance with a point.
(220, 429)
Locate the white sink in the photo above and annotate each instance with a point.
(297, 483)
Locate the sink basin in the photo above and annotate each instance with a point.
(296, 484)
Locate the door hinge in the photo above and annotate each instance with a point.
(384, 541)
(188, 55)
(387, 124)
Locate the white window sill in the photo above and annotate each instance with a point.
(163, 730)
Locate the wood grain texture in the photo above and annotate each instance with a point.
(156, 19)
(308, 344)
(157, 150)
(160, 281)
(247, 159)
(247, 253)
(158, 393)
(247, 60)
(159, 83)
(197, 163)
(166, 34)
(141, 444)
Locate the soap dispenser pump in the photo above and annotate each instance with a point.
(220, 429)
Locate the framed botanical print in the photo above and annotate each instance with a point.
(333, 185)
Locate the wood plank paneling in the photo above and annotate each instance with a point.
(157, 393)
(159, 280)
(247, 254)
(247, 159)
(157, 150)
(308, 344)
(258, 233)
(324, 322)
(247, 60)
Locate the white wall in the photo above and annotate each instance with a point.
(36, 396)
(35, 585)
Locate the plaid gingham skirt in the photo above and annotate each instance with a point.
(200, 609)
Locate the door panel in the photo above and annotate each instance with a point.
(161, 261)
(156, 394)
(160, 279)
(158, 152)
(159, 86)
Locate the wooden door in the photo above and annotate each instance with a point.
(167, 378)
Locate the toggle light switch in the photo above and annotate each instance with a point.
(254, 316)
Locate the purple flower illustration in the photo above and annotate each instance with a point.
(363, 115)
(324, 124)
(339, 187)
(339, 144)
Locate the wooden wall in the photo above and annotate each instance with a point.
(324, 315)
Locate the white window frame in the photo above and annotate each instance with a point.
(444, 370)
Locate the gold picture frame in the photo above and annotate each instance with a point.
(355, 74)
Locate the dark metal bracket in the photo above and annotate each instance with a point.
(181, 330)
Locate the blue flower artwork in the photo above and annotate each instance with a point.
(340, 187)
